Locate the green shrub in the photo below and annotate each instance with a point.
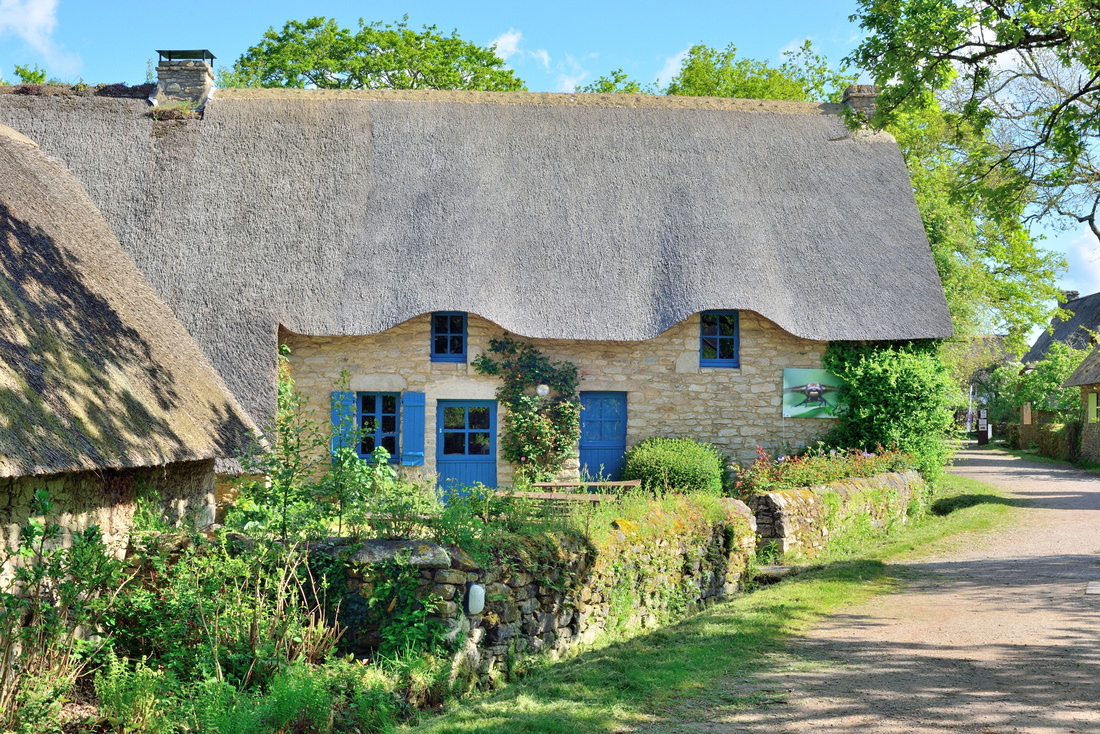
(679, 464)
(897, 396)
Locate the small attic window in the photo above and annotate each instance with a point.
(449, 336)
(719, 339)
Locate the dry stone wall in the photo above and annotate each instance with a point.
(630, 582)
(801, 521)
(1090, 430)
(668, 394)
(107, 498)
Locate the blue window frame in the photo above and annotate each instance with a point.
(448, 336)
(380, 422)
(719, 339)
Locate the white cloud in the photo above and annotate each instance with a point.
(792, 46)
(671, 67)
(570, 74)
(1083, 256)
(34, 21)
(542, 57)
(506, 44)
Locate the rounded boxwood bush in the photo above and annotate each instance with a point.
(675, 464)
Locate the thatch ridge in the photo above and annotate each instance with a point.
(345, 214)
(95, 370)
(1087, 373)
(1076, 331)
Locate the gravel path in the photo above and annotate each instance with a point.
(998, 637)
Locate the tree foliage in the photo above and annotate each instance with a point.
(1025, 71)
(995, 278)
(28, 75)
(897, 397)
(803, 75)
(319, 53)
(1041, 385)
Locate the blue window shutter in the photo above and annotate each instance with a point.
(343, 418)
(412, 429)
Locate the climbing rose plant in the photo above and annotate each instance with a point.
(537, 434)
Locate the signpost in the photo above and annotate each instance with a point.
(983, 426)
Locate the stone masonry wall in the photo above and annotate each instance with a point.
(184, 81)
(668, 394)
(1090, 430)
(107, 498)
(628, 584)
(802, 520)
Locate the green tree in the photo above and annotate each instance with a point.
(996, 279)
(1028, 72)
(1042, 385)
(318, 53)
(618, 82)
(803, 75)
(27, 75)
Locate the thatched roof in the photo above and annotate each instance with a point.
(558, 216)
(1087, 373)
(95, 371)
(1073, 331)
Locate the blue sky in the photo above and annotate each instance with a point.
(553, 46)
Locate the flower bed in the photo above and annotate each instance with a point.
(816, 466)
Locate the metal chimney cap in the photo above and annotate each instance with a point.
(186, 55)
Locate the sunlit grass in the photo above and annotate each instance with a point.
(618, 686)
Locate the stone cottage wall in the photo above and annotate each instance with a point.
(802, 520)
(629, 583)
(107, 498)
(1090, 430)
(668, 394)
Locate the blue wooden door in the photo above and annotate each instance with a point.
(466, 443)
(603, 433)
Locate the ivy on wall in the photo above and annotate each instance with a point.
(538, 434)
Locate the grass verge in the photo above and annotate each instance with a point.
(618, 686)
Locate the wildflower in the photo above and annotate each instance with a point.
(782, 458)
(867, 455)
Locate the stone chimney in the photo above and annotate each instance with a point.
(1068, 296)
(184, 76)
(861, 98)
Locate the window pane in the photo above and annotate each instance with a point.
(710, 349)
(368, 403)
(479, 417)
(727, 324)
(389, 404)
(440, 345)
(710, 324)
(389, 443)
(456, 324)
(368, 424)
(612, 430)
(389, 424)
(591, 431)
(454, 444)
(454, 417)
(593, 410)
(612, 408)
(456, 345)
(439, 323)
(479, 444)
(368, 445)
(725, 349)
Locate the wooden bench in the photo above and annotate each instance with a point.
(585, 495)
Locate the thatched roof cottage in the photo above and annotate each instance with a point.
(681, 251)
(1075, 331)
(1087, 378)
(103, 394)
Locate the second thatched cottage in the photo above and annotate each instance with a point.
(682, 252)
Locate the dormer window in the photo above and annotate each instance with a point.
(449, 336)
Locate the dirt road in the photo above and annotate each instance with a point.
(998, 637)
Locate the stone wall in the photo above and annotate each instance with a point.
(801, 521)
(1090, 430)
(184, 81)
(107, 498)
(629, 583)
(668, 394)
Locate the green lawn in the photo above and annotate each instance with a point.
(619, 685)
